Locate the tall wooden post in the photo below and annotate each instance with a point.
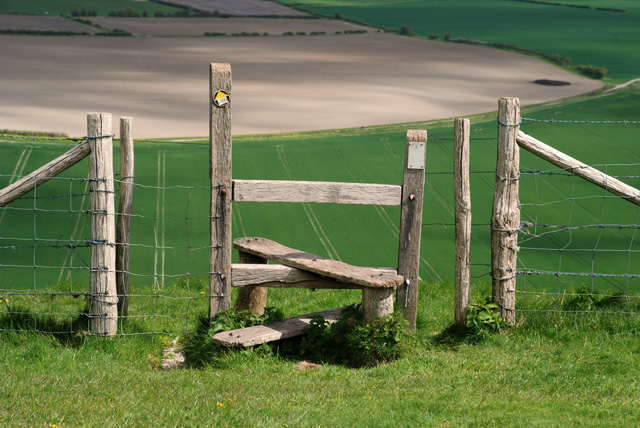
(505, 219)
(462, 201)
(123, 230)
(103, 310)
(411, 223)
(221, 187)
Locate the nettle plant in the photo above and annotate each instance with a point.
(483, 317)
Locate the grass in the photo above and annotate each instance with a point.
(552, 370)
(586, 36)
(102, 7)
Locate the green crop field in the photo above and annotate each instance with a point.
(586, 36)
(102, 7)
(170, 226)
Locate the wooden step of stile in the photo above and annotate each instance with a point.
(290, 327)
(340, 271)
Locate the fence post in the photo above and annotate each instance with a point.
(462, 198)
(123, 230)
(103, 310)
(411, 223)
(505, 219)
(221, 187)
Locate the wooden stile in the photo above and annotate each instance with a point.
(221, 188)
(103, 309)
(411, 223)
(505, 219)
(340, 271)
(462, 198)
(125, 204)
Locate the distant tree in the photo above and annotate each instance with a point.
(433, 37)
(145, 14)
(338, 15)
(592, 71)
(447, 36)
(407, 31)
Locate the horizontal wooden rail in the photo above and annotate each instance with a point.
(44, 174)
(578, 168)
(316, 192)
(280, 276)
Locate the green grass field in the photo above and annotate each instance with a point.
(102, 7)
(550, 371)
(587, 36)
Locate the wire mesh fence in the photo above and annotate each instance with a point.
(579, 247)
(45, 253)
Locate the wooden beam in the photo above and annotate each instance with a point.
(125, 205)
(505, 218)
(103, 310)
(411, 223)
(290, 327)
(44, 173)
(462, 201)
(316, 192)
(578, 168)
(281, 276)
(337, 270)
(221, 187)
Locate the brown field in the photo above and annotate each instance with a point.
(241, 7)
(199, 26)
(41, 23)
(280, 83)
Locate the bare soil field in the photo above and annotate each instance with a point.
(241, 7)
(280, 84)
(199, 26)
(42, 23)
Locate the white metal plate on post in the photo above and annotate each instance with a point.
(416, 155)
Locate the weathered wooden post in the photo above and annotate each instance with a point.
(125, 204)
(221, 187)
(462, 201)
(411, 223)
(505, 219)
(253, 298)
(103, 310)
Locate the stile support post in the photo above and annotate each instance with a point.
(254, 297)
(125, 204)
(103, 311)
(462, 201)
(411, 223)
(505, 218)
(221, 187)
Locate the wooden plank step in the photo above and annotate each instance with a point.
(337, 270)
(290, 327)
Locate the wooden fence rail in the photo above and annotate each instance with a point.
(44, 173)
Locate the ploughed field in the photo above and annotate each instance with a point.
(280, 84)
(200, 26)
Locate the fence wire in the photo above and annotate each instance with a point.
(45, 258)
(579, 247)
